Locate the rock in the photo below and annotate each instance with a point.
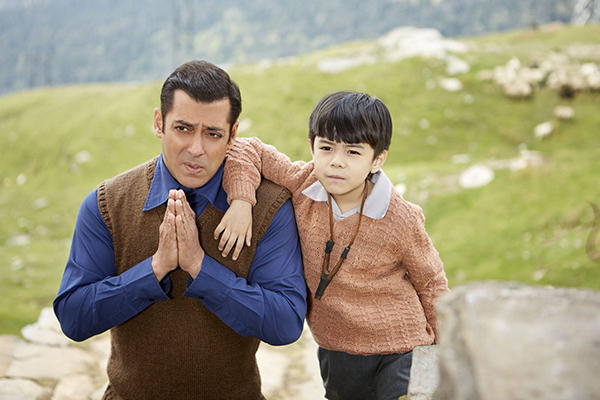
(21, 179)
(564, 112)
(456, 66)
(22, 389)
(544, 129)
(272, 365)
(337, 65)
(485, 75)
(460, 159)
(18, 240)
(400, 188)
(244, 125)
(46, 330)
(526, 159)
(83, 157)
(450, 84)
(406, 42)
(475, 176)
(518, 88)
(424, 373)
(37, 362)
(7, 347)
(502, 340)
(74, 387)
(40, 203)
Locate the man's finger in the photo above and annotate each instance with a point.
(171, 206)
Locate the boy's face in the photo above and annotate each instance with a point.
(343, 167)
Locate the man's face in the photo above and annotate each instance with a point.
(195, 138)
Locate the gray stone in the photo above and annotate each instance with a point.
(74, 387)
(44, 362)
(22, 389)
(46, 330)
(513, 341)
(7, 347)
(424, 373)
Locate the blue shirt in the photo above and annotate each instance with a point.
(269, 305)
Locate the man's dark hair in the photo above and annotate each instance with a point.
(352, 117)
(203, 82)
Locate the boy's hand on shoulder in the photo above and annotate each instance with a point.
(235, 228)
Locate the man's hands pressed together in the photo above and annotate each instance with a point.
(178, 241)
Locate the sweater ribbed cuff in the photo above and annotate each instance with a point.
(242, 191)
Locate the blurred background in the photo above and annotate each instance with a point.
(496, 110)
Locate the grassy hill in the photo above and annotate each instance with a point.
(529, 225)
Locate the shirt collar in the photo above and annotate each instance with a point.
(163, 182)
(377, 202)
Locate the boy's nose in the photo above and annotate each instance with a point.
(337, 162)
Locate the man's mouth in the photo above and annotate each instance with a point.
(193, 167)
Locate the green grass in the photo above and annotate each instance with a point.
(530, 225)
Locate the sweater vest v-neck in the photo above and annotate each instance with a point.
(178, 349)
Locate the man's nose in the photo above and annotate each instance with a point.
(196, 147)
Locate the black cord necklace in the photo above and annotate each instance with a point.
(326, 274)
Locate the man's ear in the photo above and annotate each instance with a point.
(234, 129)
(158, 123)
(379, 161)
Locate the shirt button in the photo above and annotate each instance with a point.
(151, 300)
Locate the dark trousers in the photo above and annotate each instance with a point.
(356, 377)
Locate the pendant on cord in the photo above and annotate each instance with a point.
(326, 274)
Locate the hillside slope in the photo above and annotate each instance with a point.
(528, 224)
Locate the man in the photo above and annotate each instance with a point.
(185, 322)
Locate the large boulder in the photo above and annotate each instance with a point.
(513, 341)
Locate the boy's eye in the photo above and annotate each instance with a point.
(354, 152)
(325, 148)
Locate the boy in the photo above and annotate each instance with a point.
(373, 290)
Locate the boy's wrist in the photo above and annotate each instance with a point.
(242, 191)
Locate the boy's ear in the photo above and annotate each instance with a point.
(379, 161)
(312, 151)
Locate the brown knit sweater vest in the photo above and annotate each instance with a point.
(177, 349)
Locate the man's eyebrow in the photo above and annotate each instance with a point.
(184, 123)
(214, 128)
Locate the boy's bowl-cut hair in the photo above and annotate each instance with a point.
(352, 117)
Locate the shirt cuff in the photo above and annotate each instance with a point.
(141, 286)
(212, 285)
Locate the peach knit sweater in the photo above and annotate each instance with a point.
(382, 300)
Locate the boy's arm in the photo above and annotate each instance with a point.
(249, 158)
(425, 268)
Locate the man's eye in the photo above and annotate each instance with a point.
(215, 135)
(181, 128)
